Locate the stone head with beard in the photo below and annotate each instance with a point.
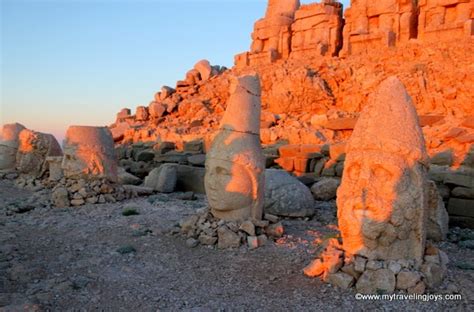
(382, 201)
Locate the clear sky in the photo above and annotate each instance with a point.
(67, 62)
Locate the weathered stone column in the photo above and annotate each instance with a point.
(235, 164)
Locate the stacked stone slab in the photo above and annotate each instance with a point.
(271, 38)
(89, 153)
(445, 19)
(371, 25)
(317, 27)
(9, 145)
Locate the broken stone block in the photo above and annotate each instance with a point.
(373, 282)
(275, 230)
(60, 197)
(248, 227)
(252, 242)
(227, 238)
(341, 280)
(407, 279)
(286, 196)
(163, 179)
(325, 189)
(438, 219)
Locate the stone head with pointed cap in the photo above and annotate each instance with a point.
(235, 164)
(382, 199)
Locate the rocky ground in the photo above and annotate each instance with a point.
(94, 257)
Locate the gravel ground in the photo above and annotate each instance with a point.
(68, 259)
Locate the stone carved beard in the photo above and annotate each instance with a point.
(379, 203)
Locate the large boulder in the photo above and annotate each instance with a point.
(163, 179)
(89, 152)
(325, 189)
(286, 195)
(34, 147)
(9, 145)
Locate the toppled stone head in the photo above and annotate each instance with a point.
(235, 164)
(33, 149)
(9, 145)
(89, 153)
(382, 201)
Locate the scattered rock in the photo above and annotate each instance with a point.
(227, 238)
(286, 196)
(378, 281)
(325, 189)
(162, 179)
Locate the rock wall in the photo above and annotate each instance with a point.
(445, 19)
(374, 24)
(367, 26)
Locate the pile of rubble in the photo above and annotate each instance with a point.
(379, 276)
(203, 228)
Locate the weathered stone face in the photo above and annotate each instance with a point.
(9, 145)
(382, 201)
(33, 149)
(234, 179)
(89, 152)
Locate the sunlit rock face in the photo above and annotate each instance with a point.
(9, 145)
(382, 201)
(89, 152)
(33, 149)
(235, 164)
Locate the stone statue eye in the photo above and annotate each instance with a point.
(222, 171)
(381, 173)
(354, 172)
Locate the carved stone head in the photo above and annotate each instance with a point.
(235, 164)
(382, 200)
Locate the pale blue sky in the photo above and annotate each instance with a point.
(69, 62)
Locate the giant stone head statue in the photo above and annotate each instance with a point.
(382, 199)
(235, 164)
